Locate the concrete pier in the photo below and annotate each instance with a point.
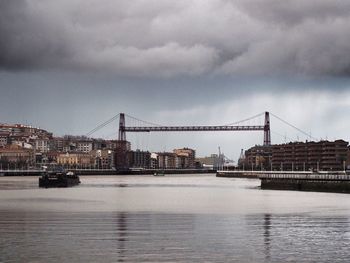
(321, 182)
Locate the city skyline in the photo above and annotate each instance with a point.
(68, 66)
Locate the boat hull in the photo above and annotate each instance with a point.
(48, 181)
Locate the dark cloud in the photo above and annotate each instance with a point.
(29, 39)
(171, 38)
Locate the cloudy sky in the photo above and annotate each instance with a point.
(69, 65)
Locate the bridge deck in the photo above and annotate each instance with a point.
(193, 128)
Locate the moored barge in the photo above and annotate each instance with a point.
(58, 179)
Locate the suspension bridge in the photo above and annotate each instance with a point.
(147, 127)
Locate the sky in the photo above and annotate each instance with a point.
(69, 65)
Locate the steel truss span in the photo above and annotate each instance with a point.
(123, 129)
(194, 128)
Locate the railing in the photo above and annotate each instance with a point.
(341, 176)
(263, 172)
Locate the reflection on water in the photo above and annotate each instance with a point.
(267, 235)
(130, 237)
(136, 223)
(122, 229)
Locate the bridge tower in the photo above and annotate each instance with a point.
(122, 134)
(122, 146)
(267, 131)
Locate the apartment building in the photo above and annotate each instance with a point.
(299, 156)
(185, 158)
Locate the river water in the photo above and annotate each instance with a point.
(175, 218)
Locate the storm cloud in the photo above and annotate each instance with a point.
(174, 38)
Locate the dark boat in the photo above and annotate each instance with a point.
(58, 179)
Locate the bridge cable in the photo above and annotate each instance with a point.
(146, 122)
(102, 125)
(247, 119)
(291, 125)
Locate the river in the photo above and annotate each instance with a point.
(175, 218)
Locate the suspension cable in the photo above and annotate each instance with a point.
(102, 125)
(146, 122)
(247, 119)
(293, 126)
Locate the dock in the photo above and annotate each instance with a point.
(338, 182)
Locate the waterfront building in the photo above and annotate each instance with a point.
(139, 159)
(166, 160)
(322, 155)
(154, 161)
(14, 154)
(299, 156)
(121, 154)
(257, 157)
(104, 159)
(75, 160)
(185, 158)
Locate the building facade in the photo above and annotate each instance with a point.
(104, 159)
(185, 158)
(166, 160)
(14, 154)
(42, 145)
(298, 156)
(257, 158)
(139, 159)
(76, 160)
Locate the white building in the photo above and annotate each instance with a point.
(42, 145)
(84, 146)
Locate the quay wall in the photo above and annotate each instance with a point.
(324, 182)
(306, 185)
